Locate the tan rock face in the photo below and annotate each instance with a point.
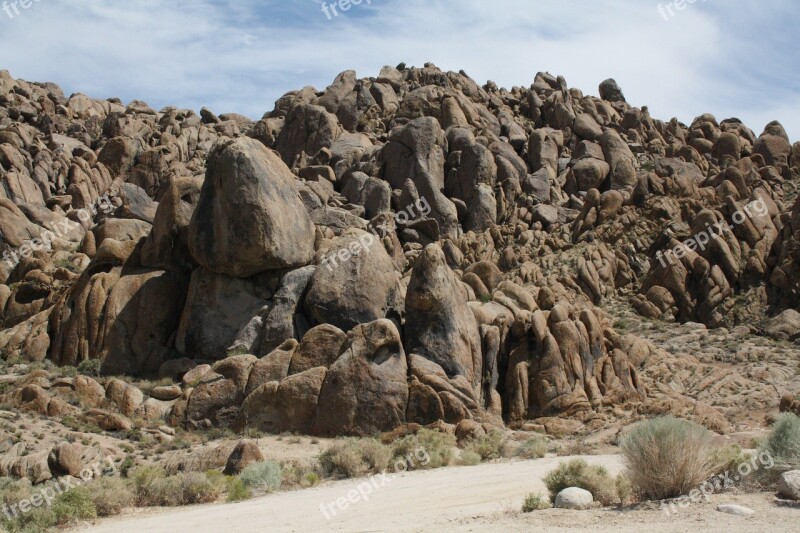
(365, 390)
(275, 270)
(249, 218)
(439, 324)
(357, 282)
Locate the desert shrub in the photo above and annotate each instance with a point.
(264, 475)
(535, 502)
(534, 448)
(352, 457)
(728, 458)
(469, 458)
(578, 473)
(126, 465)
(90, 367)
(218, 480)
(236, 489)
(488, 446)
(155, 489)
(783, 446)
(38, 520)
(624, 488)
(165, 492)
(197, 488)
(12, 491)
(299, 475)
(425, 449)
(75, 504)
(111, 495)
(667, 457)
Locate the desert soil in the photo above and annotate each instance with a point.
(486, 497)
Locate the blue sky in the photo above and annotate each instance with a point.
(732, 58)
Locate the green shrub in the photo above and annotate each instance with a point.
(237, 491)
(624, 488)
(469, 458)
(667, 457)
(299, 475)
(12, 491)
(198, 488)
(535, 502)
(488, 446)
(534, 448)
(75, 504)
(264, 475)
(578, 473)
(38, 520)
(423, 450)
(165, 492)
(111, 495)
(352, 457)
(728, 458)
(155, 489)
(90, 367)
(783, 446)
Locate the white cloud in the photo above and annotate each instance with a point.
(241, 56)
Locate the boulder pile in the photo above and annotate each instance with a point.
(407, 248)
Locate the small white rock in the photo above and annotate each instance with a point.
(574, 498)
(736, 510)
(789, 485)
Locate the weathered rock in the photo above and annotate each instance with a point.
(439, 324)
(249, 218)
(244, 453)
(574, 498)
(356, 282)
(365, 390)
(789, 485)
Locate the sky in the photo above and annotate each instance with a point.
(731, 58)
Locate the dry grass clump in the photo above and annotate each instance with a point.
(153, 488)
(534, 448)
(353, 457)
(578, 473)
(535, 502)
(111, 495)
(425, 449)
(667, 457)
(489, 446)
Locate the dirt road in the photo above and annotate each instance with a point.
(479, 498)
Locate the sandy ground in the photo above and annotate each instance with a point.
(479, 498)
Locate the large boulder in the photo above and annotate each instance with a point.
(365, 391)
(440, 326)
(244, 453)
(308, 129)
(356, 282)
(249, 218)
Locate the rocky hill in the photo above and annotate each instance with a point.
(412, 248)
